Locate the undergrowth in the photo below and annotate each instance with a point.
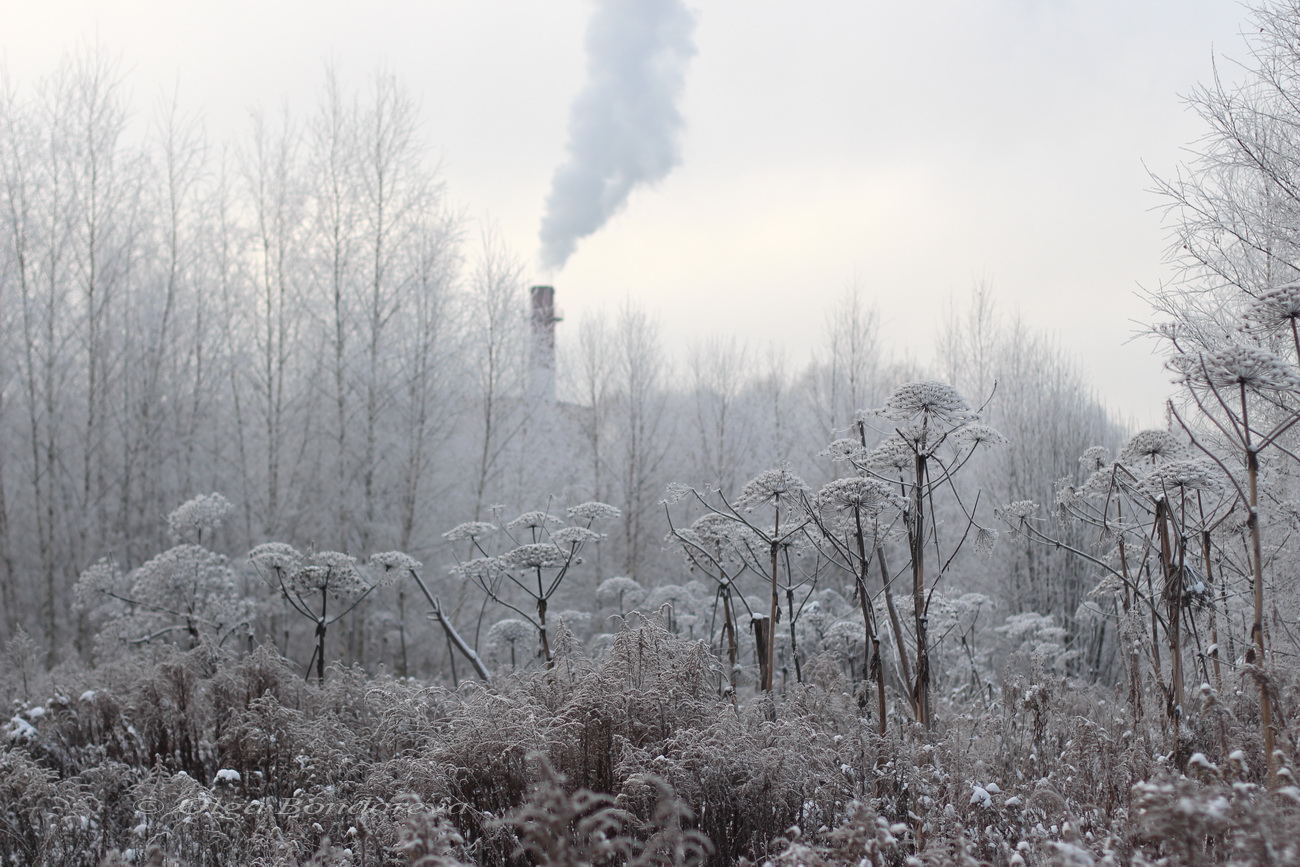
(207, 758)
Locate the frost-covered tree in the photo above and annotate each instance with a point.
(1229, 319)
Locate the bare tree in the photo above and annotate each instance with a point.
(498, 349)
(271, 177)
(849, 374)
(642, 441)
(723, 437)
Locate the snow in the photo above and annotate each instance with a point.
(227, 776)
(20, 730)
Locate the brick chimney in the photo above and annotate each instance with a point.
(543, 327)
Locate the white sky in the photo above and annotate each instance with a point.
(912, 150)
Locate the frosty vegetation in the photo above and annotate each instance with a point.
(302, 561)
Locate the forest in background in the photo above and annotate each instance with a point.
(312, 549)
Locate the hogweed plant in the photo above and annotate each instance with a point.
(310, 582)
(542, 551)
(848, 523)
(723, 550)
(935, 434)
(395, 566)
(1248, 397)
(187, 590)
(1144, 506)
(748, 544)
(853, 516)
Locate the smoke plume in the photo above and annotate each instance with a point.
(624, 125)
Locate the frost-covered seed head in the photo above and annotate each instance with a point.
(1018, 511)
(180, 575)
(593, 511)
(541, 555)
(979, 434)
(575, 536)
(1246, 366)
(612, 587)
(1094, 459)
(675, 493)
(1183, 476)
(103, 577)
(202, 514)
(844, 449)
(1152, 446)
(774, 486)
(276, 557)
(928, 400)
(483, 570)
(390, 561)
(509, 631)
(536, 520)
(986, 540)
(333, 572)
(893, 453)
(1274, 310)
(392, 566)
(868, 497)
(470, 530)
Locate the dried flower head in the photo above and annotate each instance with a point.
(675, 492)
(392, 566)
(482, 570)
(539, 555)
(470, 530)
(1170, 331)
(575, 536)
(1245, 366)
(1151, 447)
(593, 511)
(509, 631)
(979, 434)
(276, 557)
(1099, 484)
(1066, 494)
(844, 449)
(1274, 310)
(775, 486)
(101, 578)
(613, 588)
(986, 540)
(1018, 511)
(1183, 477)
(536, 520)
(893, 453)
(202, 514)
(332, 572)
(868, 497)
(928, 400)
(1094, 459)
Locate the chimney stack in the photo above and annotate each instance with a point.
(543, 327)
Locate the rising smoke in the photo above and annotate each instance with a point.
(624, 125)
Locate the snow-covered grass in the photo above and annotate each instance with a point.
(633, 757)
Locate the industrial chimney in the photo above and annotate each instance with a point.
(543, 327)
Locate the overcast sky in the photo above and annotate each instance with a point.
(914, 150)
